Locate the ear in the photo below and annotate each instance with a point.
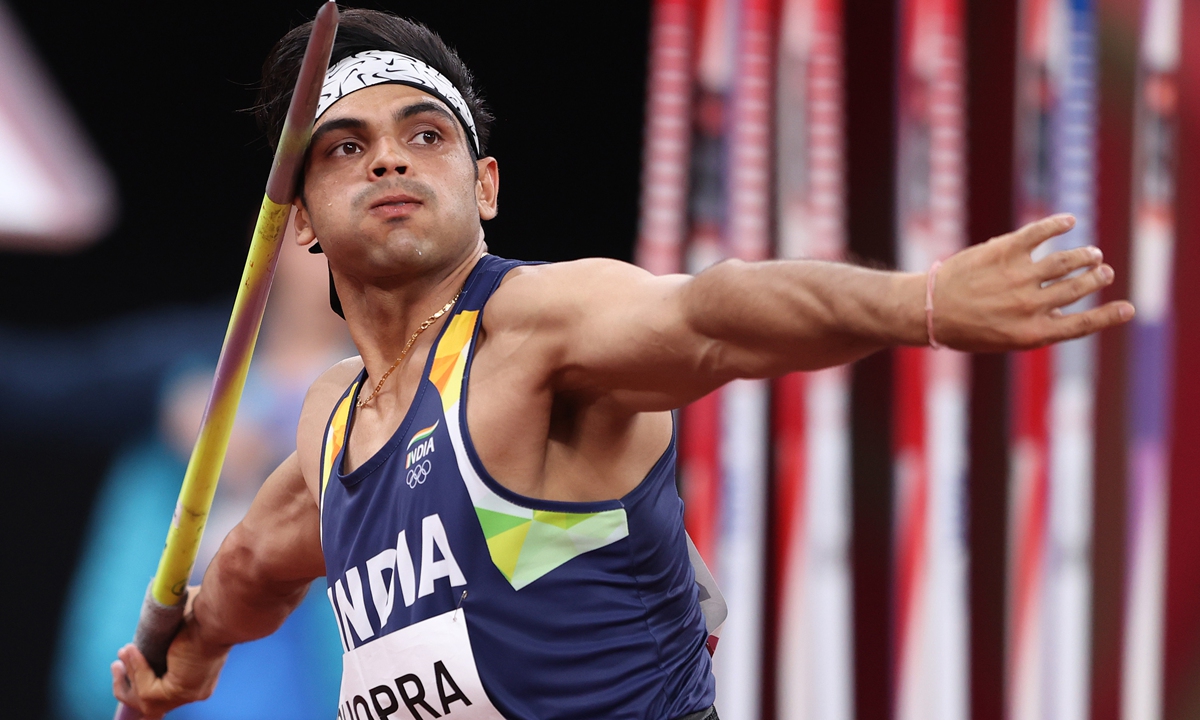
(305, 234)
(487, 187)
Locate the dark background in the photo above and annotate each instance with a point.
(159, 88)
(159, 91)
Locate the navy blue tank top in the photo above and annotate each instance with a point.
(573, 610)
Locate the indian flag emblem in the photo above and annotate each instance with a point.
(420, 445)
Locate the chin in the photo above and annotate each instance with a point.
(400, 247)
(404, 256)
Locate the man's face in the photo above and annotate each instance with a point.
(390, 188)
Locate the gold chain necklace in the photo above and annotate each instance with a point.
(425, 325)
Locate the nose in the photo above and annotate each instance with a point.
(389, 159)
(381, 170)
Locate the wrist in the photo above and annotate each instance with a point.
(908, 326)
(930, 285)
(205, 634)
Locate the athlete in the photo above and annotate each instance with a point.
(489, 486)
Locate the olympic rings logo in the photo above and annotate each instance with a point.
(417, 473)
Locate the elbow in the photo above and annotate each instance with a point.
(710, 303)
(726, 311)
(249, 560)
(238, 559)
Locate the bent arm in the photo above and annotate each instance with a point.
(260, 574)
(265, 565)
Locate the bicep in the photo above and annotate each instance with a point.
(606, 327)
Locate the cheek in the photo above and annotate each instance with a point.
(326, 202)
(326, 180)
(464, 191)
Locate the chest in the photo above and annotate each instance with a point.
(509, 415)
(406, 529)
(533, 441)
(398, 540)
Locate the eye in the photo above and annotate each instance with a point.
(427, 137)
(346, 147)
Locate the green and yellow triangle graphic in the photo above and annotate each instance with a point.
(505, 548)
(494, 523)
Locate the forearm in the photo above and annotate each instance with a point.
(769, 318)
(265, 565)
(260, 574)
(245, 596)
(239, 600)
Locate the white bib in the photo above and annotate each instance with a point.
(423, 671)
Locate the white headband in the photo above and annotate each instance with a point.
(375, 67)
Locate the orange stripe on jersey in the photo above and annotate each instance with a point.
(335, 436)
(449, 361)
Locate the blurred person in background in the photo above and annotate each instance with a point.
(293, 673)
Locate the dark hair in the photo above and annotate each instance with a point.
(360, 30)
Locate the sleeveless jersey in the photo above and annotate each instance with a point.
(443, 581)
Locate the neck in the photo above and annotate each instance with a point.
(383, 316)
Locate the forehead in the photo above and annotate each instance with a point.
(378, 102)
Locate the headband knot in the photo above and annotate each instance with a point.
(376, 67)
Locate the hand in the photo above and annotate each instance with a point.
(192, 670)
(993, 297)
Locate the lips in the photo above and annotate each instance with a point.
(394, 206)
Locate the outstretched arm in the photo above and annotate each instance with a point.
(654, 343)
(260, 574)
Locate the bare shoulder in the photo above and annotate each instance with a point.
(570, 278)
(556, 291)
(319, 402)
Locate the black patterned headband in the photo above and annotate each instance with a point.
(376, 67)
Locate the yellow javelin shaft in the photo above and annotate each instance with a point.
(208, 455)
(162, 609)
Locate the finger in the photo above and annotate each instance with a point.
(124, 692)
(121, 687)
(139, 673)
(1079, 324)
(142, 683)
(1065, 262)
(1039, 231)
(192, 591)
(1065, 292)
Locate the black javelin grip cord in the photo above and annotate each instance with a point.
(163, 606)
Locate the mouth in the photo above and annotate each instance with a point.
(394, 206)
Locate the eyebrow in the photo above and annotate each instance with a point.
(334, 125)
(425, 106)
(404, 113)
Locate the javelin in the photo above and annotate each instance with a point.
(163, 606)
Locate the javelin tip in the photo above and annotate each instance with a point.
(297, 126)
